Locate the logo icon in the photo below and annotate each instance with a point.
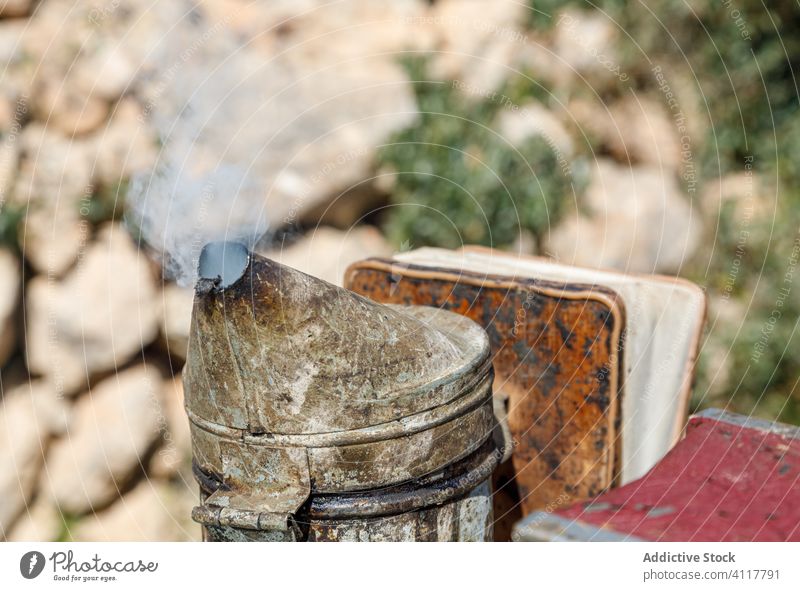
(31, 564)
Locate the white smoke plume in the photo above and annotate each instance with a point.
(202, 94)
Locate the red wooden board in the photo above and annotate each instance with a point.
(730, 479)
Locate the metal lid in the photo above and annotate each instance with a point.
(275, 351)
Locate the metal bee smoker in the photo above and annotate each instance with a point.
(319, 415)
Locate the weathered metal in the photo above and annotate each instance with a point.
(317, 414)
(733, 478)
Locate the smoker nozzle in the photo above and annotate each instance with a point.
(223, 263)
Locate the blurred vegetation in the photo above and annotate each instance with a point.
(459, 181)
(106, 204)
(11, 216)
(743, 58)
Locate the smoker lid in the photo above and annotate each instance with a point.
(280, 352)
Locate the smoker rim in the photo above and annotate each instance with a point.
(474, 393)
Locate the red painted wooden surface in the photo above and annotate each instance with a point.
(723, 482)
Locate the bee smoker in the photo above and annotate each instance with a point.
(319, 415)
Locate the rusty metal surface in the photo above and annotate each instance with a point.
(554, 351)
(296, 388)
(468, 519)
(263, 488)
(731, 479)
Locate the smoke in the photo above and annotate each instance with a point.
(203, 94)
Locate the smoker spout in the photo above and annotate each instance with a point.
(278, 351)
(223, 263)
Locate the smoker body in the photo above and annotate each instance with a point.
(443, 507)
(319, 415)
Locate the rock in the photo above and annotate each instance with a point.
(544, 65)
(746, 194)
(113, 428)
(353, 206)
(637, 220)
(326, 253)
(52, 169)
(42, 522)
(30, 415)
(176, 317)
(525, 243)
(65, 109)
(101, 315)
(106, 72)
(352, 29)
(533, 119)
(10, 285)
(70, 55)
(16, 8)
(635, 129)
(52, 239)
(43, 35)
(474, 41)
(44, 354)
(649, 135)
(151, 512)
(54, 180)
(379, 103)
(126, 146)
(11, 34)
(176, 453)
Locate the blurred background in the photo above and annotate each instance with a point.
(656, 138)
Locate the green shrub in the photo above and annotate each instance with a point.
(11, 215)
(459, 181)
(742, 55)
